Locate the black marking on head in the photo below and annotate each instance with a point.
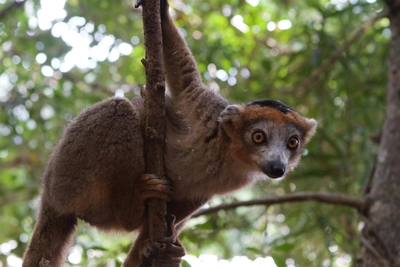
(276, 104)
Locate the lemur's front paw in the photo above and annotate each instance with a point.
(152, 186)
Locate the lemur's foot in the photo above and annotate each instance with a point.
(152, 186)
(167, 251)
(166, 254)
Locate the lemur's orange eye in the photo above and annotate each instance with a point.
(258, 137)
(293, 143)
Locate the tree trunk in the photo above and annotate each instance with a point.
(381, 234)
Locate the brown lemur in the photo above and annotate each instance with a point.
(97, 171)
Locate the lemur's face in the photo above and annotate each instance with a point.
(267, 135)
(274, 148)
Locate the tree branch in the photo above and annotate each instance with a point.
(334, 199)
(317, 73)
(10, 7)
(154, 101)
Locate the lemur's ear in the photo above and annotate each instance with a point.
(229, 116)
(310, 131)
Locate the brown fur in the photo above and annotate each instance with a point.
(97, 172)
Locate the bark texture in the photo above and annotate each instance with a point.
(381, 235)
(154, 97)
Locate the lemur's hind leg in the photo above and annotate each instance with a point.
(51, 238)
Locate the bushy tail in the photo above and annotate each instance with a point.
(52, 236)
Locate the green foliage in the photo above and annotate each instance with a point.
(244, 50)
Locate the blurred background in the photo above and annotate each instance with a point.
(58, 57)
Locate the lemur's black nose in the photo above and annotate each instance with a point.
(274, 169)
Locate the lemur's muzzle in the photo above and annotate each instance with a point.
(274, 169)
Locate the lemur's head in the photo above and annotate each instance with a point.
(267, 135)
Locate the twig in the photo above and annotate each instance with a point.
(335, 199)
(328, 62)
(10, 7)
